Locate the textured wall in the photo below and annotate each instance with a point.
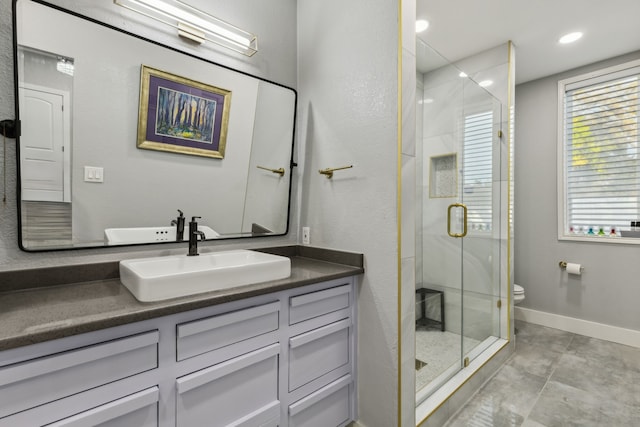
(348, 61)
(275, 24)
(608, 290)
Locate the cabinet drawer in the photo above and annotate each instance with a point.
(139, 409)
(328, 407)
(28, 384)
(215, 332)
(318, 352)
(242, 391)
(308, 306)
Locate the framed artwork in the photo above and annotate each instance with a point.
(181, 115)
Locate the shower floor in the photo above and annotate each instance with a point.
(438, 351)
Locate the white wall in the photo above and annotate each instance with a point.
(347, 80)
(275, 24)
(608, 290)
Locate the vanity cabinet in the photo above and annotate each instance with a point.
(139, 409)
(82, 386)
(242, 391)
(280, 359)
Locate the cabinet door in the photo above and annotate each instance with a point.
(139, 410)
(35, 382)
(242, 391)
(328, 407)
(318, 352)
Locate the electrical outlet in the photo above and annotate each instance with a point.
(306, 235)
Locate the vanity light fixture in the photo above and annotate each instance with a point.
(421, 25)
(570, 38)
(194, 24)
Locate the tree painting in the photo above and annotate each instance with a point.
(185, 116)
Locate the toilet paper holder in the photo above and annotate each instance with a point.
(563, 265)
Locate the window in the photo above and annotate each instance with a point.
(477, 182)
(598, 157)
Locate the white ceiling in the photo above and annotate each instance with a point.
(460, 28)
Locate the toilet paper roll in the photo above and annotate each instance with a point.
(573, 268)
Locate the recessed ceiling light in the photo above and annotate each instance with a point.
(462, 74)
(421, 25)
(570, 38)
(485, 83)
(427, 101)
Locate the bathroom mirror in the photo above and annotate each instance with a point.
(83, 180)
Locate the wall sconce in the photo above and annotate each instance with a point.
(194, 24)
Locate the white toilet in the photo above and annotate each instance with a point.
(518, 294)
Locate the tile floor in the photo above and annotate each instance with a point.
(558, 379)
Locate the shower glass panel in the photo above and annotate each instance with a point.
(480, 175)
(459, 205)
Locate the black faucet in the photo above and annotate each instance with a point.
(193, 237)
(179, 223)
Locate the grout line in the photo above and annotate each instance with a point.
(553, 370)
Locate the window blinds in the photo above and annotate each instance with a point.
(477, 169)
(601, 162)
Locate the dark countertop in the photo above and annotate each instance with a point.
(36, 314)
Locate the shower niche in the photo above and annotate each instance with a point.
(443, 177)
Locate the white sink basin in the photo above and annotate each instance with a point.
(122, 236)
(154, 279)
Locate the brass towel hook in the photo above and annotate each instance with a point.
(328, 172)
(279, 171)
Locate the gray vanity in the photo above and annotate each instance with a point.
(134, 127)
(279, 353)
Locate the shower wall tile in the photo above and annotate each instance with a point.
(408, 27)
(408, 103)
(441, 108)
(408, 206)
(504, 153)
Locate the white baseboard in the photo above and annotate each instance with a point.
(601, 331)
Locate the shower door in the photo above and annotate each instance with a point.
(481, 148)
(459, 155)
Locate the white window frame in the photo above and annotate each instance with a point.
(586, 79)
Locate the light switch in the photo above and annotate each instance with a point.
(93, 174)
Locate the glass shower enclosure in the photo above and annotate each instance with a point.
(460, 220)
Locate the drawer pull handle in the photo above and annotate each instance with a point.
(204, 376)
(111, 410)
(316, 334)
(267, 416)
(314, 398)
(60, 361)
(199, 326)
(320, 295)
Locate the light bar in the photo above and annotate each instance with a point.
(194, 24)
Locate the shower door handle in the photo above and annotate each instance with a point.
(464, 221)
